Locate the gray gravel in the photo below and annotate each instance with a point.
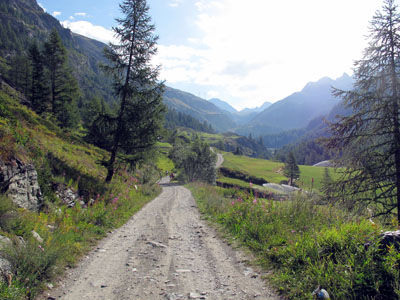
(164, 252)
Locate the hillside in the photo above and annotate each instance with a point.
(24, 21)
(54, 203)
(223, 105)
(198, 108)
(297, 110)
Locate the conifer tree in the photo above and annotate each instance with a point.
(135, 83)
(39, 94)
(369, 139)
(327, 185)
(56, 57)
(64, 90)
(291, 169)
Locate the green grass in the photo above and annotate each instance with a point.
(164, 163)
(306, 245)
(244, 184)
(61, 157)
(272, 171)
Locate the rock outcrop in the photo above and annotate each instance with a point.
(20, 182)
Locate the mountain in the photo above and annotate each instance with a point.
(23, 21)
(198, 108)
(223, 105)
(297, 110)
(255, 109)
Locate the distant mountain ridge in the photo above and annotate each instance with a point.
(297, 110)
(223, 105)
(198, 108)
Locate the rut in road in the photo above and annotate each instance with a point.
(164, 252)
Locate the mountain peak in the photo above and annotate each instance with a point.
(223, 105)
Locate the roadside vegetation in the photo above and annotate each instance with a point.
(306, 244)
(61, 158)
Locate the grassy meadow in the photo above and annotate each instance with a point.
(303, 245)
(271, 171)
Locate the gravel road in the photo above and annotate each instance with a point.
(164, 252)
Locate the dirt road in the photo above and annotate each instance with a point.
(164, 252)
(220, 160)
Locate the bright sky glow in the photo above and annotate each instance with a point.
(243, 52)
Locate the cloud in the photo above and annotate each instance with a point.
(90, 30)
(56, 13)
(175, 3)
(80, 14)
(274, 46)
(41, 5)
(241, 68)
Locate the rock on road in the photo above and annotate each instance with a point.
(165, 251)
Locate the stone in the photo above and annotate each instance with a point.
(5, 269)
(4, 241)
(390, 238)
(37, 236)
(156, 244)
(67, 195)
(20, 182)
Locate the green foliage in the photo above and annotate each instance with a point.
(64, 90)
(39, 93)
(368, 141)
(175, 119)
(291, 169)
(136, 84)
(195, 161)
(61, 158)
(307, 245)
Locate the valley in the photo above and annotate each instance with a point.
(116, 184)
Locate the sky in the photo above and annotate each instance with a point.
(242, 52)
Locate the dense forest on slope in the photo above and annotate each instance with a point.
(23, 22)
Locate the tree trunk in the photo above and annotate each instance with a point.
(110, 165)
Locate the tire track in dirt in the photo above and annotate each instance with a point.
(164, 252)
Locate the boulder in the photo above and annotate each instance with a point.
(390, 238)
(20, 182)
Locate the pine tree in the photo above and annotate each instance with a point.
(135, 83)
(291, 169)
(56, 57)
(327, 185)
(64, 88)
(39, 94)
(369, 140)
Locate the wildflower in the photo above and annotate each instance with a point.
(255, 201)
(115, 200)
(293, 231)
(233, 203)
(41, 248)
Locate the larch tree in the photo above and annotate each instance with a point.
(56, 57)
(136, 84)
(291, 169)
(369, 139)
(64, 89)
(39, 94)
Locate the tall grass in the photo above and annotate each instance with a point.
(307, 245)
